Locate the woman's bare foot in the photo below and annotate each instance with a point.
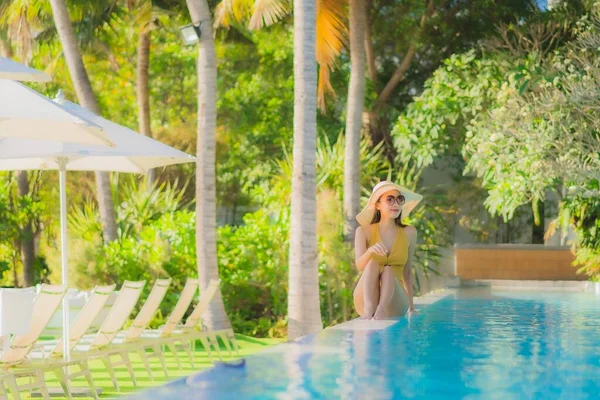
(379, 314)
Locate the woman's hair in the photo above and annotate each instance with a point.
(377, 217)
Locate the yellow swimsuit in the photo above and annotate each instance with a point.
(398, 255)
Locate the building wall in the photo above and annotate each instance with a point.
(522, 262)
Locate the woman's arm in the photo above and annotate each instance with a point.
(411, 233)
(363, 254)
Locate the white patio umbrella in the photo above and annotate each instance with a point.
(25, 113)
(15, 71)
(132, 152)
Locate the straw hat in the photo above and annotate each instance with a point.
(412, 199)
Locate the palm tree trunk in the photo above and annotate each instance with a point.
(304, 313)
(27, 244)
(15, 273)
(356, 95)
(86, 96)
(206, 196)
(378, 123)
(369, 50)
(143, 91)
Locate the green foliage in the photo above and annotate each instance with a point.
(481, 105)
(253, 268)
(434, 123)
(17, 212)
(453, 28)
(256, 99)
(252, 257)
(142, 215)
(337, 275)
(583, 207)
(545, 137)
(8, 221)
(530, 127)
(156, 240)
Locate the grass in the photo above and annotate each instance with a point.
(248, 345)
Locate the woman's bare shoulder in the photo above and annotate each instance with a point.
(364, 231)
(410, 231)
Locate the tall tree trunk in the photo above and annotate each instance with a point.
(378, 124)
(369, 51)
(86, 97)
(206, 196)
(356, 95)
(304, 312)
(27, 243)
(538, 230)
(15, 273)
(143, 91)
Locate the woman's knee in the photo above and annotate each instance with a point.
(372, 267)
(387, 273)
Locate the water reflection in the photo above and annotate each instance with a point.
(480, 344)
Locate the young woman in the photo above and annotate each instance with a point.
(384, 249)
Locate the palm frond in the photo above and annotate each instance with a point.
(238, 10)
(331, 33)
(20, 19)
(142, 12)
(267, 12)
(331, 29)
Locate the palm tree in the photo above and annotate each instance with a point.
(304, 312)
(143, 16)
(330, 32)
(318, 37)
(356, 96)
(206, 195)
(330, 29)
(86, 96)
(143, 90)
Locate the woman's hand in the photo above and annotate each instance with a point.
(378, 248)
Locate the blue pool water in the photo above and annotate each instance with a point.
(473, 344)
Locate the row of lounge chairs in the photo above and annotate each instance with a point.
(31, 358)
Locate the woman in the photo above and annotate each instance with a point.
(384, 249)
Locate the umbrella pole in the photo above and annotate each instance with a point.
(62, 177)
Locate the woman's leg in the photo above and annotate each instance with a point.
(366, 293)
(399, 304)
(393, 301)
(388, 288)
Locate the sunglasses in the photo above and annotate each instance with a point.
(391, 200)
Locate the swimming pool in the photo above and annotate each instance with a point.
(477, 343)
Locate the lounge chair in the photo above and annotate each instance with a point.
(185, 336)
(152, 339)
(94, 305)
(121, 344)
(15, 360)
(9, 381)
(194, 329)
(85, 350)
(89, 346)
